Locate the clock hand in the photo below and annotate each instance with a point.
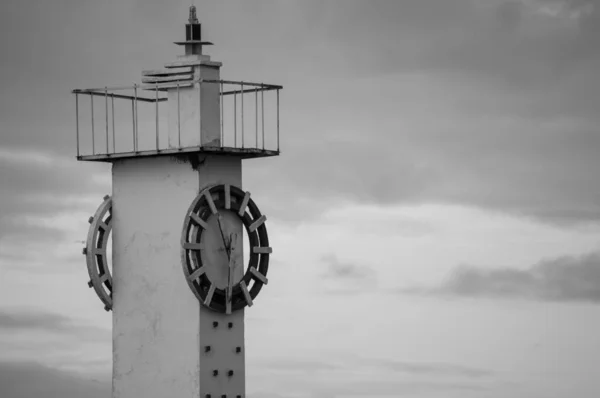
(229, 294)
(227, 247)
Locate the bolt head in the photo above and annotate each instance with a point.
(91, 219)
(106, 197)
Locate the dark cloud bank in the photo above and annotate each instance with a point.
(566, 279)
(29, 379)
(505, 118)
(513, 104)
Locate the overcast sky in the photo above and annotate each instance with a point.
(435, 210)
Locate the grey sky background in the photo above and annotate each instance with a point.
(435, 209)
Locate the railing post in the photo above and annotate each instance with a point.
(136, 118)
(77, 121)
(156, 98)
(133, 123)
(93, 134)
(222, 114)
(242, 95)
(200, 108)
(277, 120)
(234, 118)
(112, 100)
(106, 115)
(262, 95)
(256, 116)
(178, 120)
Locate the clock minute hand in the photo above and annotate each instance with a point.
(227, 246)
(229, 294)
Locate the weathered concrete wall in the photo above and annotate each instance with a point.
(159, 328)
(188, 120)
(155, 318)
(184, 130)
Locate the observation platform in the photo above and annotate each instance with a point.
(158, 118)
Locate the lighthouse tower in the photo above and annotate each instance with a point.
(190, 248)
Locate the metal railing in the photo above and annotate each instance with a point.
(248, 121)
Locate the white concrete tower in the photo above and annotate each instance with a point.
(179, 221)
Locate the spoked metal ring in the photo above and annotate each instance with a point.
(95, 252)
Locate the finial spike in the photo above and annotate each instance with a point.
(193, 19)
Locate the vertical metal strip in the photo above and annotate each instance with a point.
(262, 95)
(178, 119)
(77, 121)
(277, 120)
(136, 118)
(200, 108)
(156, 98)
(256, 116)
(222, 103)
(93, 133)
(242, 96)
(106, 114)
(234, 119)
(133, 123)
(112, 99)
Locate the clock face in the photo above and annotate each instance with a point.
(212, 244)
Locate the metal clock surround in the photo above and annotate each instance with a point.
(206, 204)
(95, 252)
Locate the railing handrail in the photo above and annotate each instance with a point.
(151, 86)
(242, 87)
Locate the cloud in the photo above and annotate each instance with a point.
(299, 365)
(565, 279)
(369, 377)
(347, 278)
(19, 380)
(46, 199)
(459, 102)
(345, 270)
(9, 227)
(296, 365)
(54, 340)
(44, 322)
(489, 105)
(434, 369)
(28, 379)
(38, 184)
